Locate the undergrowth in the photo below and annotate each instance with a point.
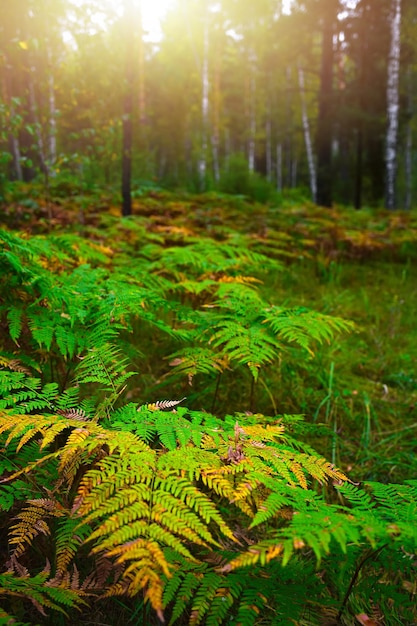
(154, 458)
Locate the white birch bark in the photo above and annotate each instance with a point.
(307, 136)
(393, 104)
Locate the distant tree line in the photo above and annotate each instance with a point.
(236, 94)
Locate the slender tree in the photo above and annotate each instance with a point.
(393, 104)
(307, 135)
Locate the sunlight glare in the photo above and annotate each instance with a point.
(152, 13)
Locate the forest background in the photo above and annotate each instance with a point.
(207, 406)
(320, 98)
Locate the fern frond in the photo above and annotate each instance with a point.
(15, 320)
(248, 344)
(161, 405)
(39, 593)
(252, 604)
(69, 537)
(197, 360)
(303, 326)
(143, 573)
(185, 593)
(31, 522)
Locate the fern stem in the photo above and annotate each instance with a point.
(271, 397)
(65, 379)
(334, 441)
(252, 395)
(330, 392)
(372, 555)
(216, 391)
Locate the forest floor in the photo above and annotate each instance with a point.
(357, 390)
(359, 265)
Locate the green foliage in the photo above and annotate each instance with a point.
(204, 519)
(238, 180)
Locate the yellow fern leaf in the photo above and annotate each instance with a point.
(254, 555)
(31, 523)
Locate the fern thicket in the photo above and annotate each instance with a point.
(206, 519)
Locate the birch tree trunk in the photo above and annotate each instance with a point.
(393, 105)
(307, 135)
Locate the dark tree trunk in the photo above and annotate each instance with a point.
(128, 109)
(325, 114)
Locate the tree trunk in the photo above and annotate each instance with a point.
(205, 83)
(307, 136)
(393, 105)
(325, 114)
(127, 128)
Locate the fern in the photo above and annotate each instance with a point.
(208, 520)
(38, 592)
(303, 326)
(138, 502)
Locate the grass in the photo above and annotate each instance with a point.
(363, 388)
